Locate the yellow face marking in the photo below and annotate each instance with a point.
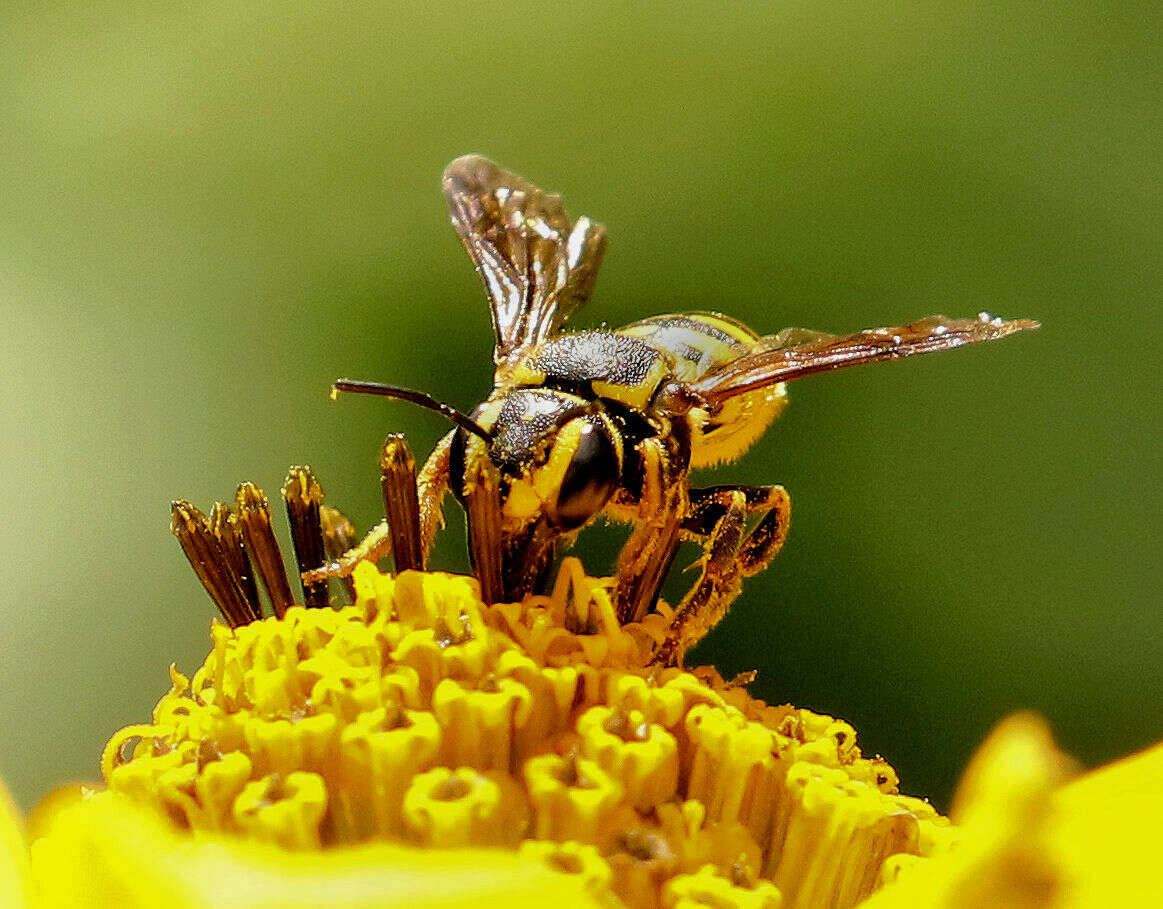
(548, 479)
(523, 504)
(486, 415)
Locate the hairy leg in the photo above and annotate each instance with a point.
(719, 516)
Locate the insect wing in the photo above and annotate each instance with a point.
(797, 352)
(538, 269)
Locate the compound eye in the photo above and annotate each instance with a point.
(592, 472)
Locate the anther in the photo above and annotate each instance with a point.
(401, 505)
(483, 507)
(338, 537)
(254, 520)
(224, 526)
(209, 562)
(303, 495)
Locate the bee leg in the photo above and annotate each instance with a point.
(719, 514)
(718, 582)
(763, 543)
(646, 557)
(431, 486)
(373, 547)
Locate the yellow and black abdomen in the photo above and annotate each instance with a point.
(699, 343)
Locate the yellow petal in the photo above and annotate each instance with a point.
(1105, 829)
(1031, 839)
(103, 851)
(14, 876)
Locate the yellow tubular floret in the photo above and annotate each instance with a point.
(1031, 839)
(309, 757)
(422, 716)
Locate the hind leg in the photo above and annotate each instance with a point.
(719, 516)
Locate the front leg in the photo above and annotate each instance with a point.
(431, 486)
(719, 515)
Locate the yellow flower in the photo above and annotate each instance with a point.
(1031, 837)
(15, 886)
(419, 716)
(107, 851)
(421, 748)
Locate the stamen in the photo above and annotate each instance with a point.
(483, 508)
(254, 520)
(303, 496)
(224, 526)
(401, 505)
(209, 562)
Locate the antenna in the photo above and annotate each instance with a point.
(353, 386)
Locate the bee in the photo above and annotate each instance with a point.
(606, 422)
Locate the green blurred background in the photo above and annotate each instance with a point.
(208, 211)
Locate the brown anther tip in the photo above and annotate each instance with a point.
(401, 505)
(302, 485)
(337, 527)
(254, 519)
(209, 561)
(303, 495)
(184, 517)
(481, 472)
(396, 454)
(224, 527)
(251, 498)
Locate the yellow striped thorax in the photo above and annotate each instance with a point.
(629, 366)
(606, 364)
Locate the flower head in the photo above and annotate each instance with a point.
(421, 747)
(419, 715)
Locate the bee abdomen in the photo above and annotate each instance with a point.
(699, 343)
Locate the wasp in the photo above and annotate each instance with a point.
(606, 422)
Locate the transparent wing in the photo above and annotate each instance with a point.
(797, 352)
(538, 269)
